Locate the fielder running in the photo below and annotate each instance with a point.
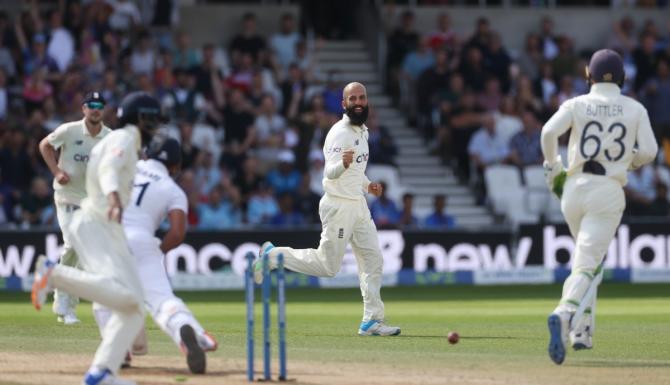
(157, 197)
(610, 135)
(66, 151)
(345, 216)
(109, 274)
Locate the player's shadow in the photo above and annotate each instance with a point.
(619, 364)
(161, 370)
(467, 337)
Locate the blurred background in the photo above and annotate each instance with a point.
(459, 91)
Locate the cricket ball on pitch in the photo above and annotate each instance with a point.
(453, 337)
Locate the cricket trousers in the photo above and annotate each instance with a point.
(63, 302)
(343, 221)
(109, 277)
(592, 206)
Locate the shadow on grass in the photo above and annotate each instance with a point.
(619, 364)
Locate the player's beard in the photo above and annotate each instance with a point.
(357, 118)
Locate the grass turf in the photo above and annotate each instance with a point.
(500, 326)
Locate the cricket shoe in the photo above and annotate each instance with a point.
(105, 378)
(581, 339)
(559, 326)
(127, 361)
(68, 319)
(207, 342)
(41, 284)
(258, 263)
(377, 328)
(195, 356)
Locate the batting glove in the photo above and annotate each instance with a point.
(555, 176)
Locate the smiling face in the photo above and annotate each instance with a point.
(355, 103)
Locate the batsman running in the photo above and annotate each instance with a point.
(109, 274)
(66, 151)
(610, 134)
(157, 197)
(345, 216)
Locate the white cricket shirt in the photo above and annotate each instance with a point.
(348, 183)
(154, 195)
(74, 143)
(606, 127)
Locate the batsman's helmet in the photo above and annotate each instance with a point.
(165, 149)
(606, 66)
(136, 106)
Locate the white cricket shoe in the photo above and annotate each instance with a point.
(41, 284)
(258, 263)
(195, 356)
(581, 339)
(559, 326)
(207, 342)
(377, 328)
(68, 319)
(105, 378)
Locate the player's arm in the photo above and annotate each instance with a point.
(647, 148)
(557, 125)
(177, 232)
(111, 162)
(48, 148)
(338, 156)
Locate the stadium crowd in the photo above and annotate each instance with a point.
(479, 104)
(251, 114)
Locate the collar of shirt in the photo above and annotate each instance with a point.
(358, 129)
(136, 134)
(156, 165)
(605, 89)
(104, 129)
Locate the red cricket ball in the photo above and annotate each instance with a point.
(453, 337)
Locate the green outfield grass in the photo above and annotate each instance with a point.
(502, 329)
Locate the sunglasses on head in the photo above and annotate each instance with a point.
(96, 105)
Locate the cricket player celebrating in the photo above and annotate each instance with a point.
(74, 141)
(345, 216)
(109, 274)
(610, 134)
(156, 197)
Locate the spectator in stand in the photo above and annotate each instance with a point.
(661, 205)
(508, 121)
(487, 147)
(292, 90)
(221, 211)
(207, 175)
(644, 57)
(525, 149)
(439, 219)
(548, 39)
(498, 61)
(655, 96)
(623, 38)
(262, 206)
(492, 95)
(4, 96)
(444, 37)
(288, 215)
(481, 37)
(125, 15)
(531, 58)
(250, 178)
(407, 217)
(61, 45)
(524, 96)
(184, 102)
(332, 94)
(184, 56)
(465, 119)
(243, 72)
(640, 191)
(270, 130)
(403, 40)
(380, 143)
(473, 69)
(37, 206)
(429, 84)
(285, 178)
(546, 85)
(209, 77)
(566, 90)
(247, 42)
(384, 211)
(315, 172)
(16, 165)
(415, 63)
(239, 130)
(283, 44)
(308, 201)
(143, 58)
(189, 151)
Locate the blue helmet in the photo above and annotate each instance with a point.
(165, 149)
(138, 106)
(606, 66)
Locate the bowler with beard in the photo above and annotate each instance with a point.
(344, 213)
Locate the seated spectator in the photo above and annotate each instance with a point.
(270, 130)
(384, 211)
(316, 163)
(207, 175)
(239, 129)
(249, 179)
(143, 58)
(262, 205)
(184, 56)
(438, 219)
(125, 15)
(285, 179)
(221, 211)
(184, 102)
(332, 94)
(491, 97)
(287, 216)
(463, 121)
(525, 148)
(407, 217)
(308, 201)
(380, 142)
(444, 37)
(37, 205)
(61, 43)
(487, 146)
(283, 44)
(498, 61)
(640, 191)
(508, 122)
(660, 206)
(414, 64)
(249, 41)
(189, 151)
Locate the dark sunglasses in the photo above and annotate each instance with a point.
(96, 105)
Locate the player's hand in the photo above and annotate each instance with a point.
(347, 158)
(555, 176)
(62, 177)
(376, 189)
(115, 211)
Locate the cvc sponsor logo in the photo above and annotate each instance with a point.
(81, 158)
(362, 158)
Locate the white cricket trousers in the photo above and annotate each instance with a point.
(168, 311)
(592, 206)
(109, 277)
(63, 302)
(343, 221)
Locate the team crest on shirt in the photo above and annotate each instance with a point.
(78, 142)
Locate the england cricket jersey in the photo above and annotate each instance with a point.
(154, 195)
(348, 183)
(606, 127)
(111, 167)
(74, 143)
